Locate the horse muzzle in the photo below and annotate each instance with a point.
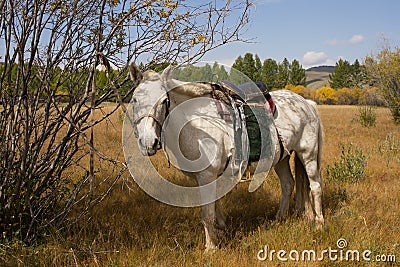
(149, 148)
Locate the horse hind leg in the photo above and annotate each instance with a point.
(282, 169)
(302, 197)
(310, 189)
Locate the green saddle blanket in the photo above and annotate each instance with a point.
(254, 128)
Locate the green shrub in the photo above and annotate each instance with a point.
(384, 71)
(350, 167)
(366, 116)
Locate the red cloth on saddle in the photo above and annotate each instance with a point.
(270, 105)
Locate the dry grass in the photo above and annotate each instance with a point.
(131, 229)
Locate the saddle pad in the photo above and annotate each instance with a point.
(254, 129)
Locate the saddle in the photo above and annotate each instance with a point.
(252, 95)
(248, 102)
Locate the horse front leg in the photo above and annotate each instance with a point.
(213, 220)
(221, 218)
(211, 216)
(208, 220)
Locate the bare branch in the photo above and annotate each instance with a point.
(51, 92)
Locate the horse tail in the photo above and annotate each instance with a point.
(302, 180)
(320, 136)
(320, 146)
(302, 184)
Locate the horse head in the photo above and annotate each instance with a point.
(150, 103)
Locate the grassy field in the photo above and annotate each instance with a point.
(131, 229)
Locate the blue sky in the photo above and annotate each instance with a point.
(316, 32)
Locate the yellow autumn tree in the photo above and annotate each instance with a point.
(300, 90)
(289, 87)
(348, 96)
(326, 95)
(303, 91)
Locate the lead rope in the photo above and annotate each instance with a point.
(162, 136)
(164, 148)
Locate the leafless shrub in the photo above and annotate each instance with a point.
(49, 53)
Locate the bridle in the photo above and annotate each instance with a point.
(152, 114)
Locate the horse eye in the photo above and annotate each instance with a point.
(166, 101)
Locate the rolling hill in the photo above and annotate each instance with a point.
(318, 77)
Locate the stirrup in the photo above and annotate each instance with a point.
(247, 176)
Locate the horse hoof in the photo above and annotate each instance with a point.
(281, 216)
(221, 225)
(210, 250)
(320, 223)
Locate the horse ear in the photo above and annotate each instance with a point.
(166, 75)
(135, 74)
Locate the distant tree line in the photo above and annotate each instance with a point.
(346, 75)
(71, 84)
(349, 84)
(272, 73)
(376, 82)
(205, 73)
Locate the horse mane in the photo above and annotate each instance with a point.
(150, 75)
(193, 89)
(188, 89)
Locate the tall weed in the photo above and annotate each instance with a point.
(389, 148)
(366, 116)
(350, 167)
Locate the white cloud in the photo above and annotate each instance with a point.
(314, 58)
(334, 42)
(330, 62)
(355, 39)
(358, 38)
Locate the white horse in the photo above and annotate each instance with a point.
(296, 120)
